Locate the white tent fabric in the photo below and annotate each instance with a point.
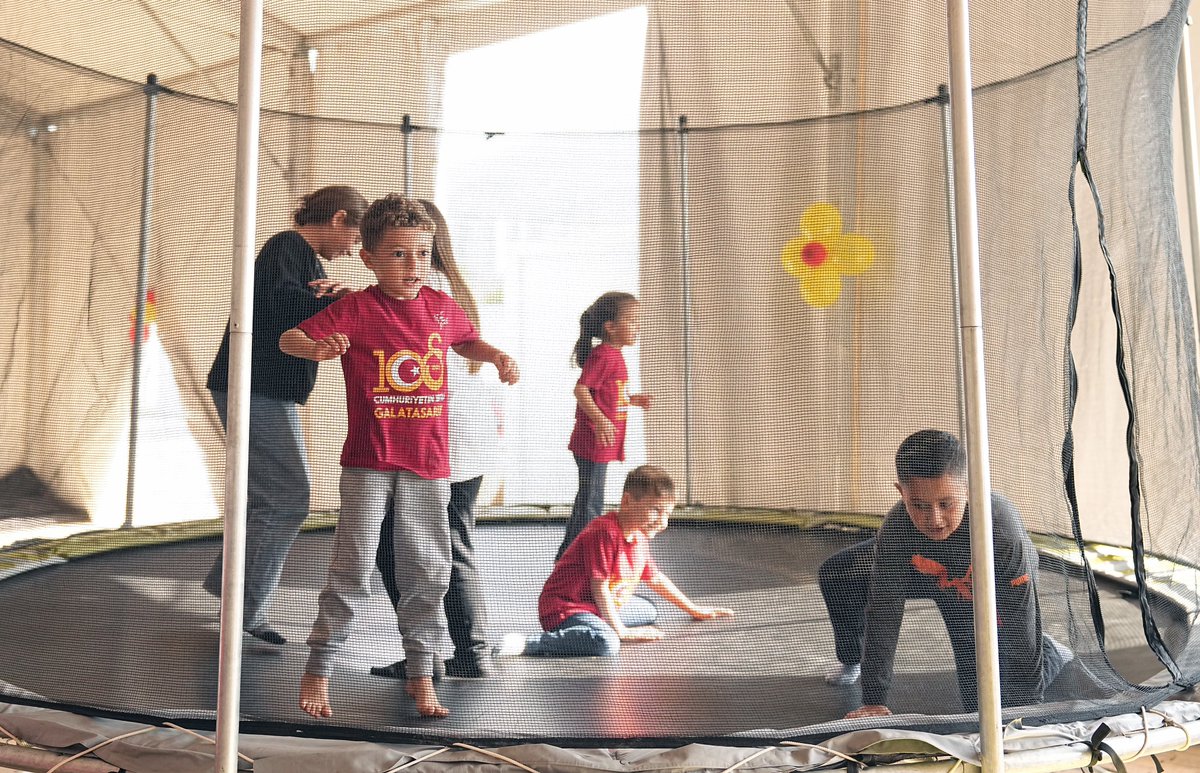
(717, 64)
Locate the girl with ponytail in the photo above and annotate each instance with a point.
(602, 401)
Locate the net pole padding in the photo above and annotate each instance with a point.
(943, 100)
(241, 310)
(1191, 156)
(684, 257)
(987, 651)
(1069, 756)
(406, 128)
(151, 90)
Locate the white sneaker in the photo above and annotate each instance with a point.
(843, 674)
(512, 644)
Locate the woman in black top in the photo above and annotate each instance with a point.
(290, 285)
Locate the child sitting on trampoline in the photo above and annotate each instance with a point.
(923, 550)
(588, 606)
(392, 339)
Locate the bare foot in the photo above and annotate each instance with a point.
(314, 695)
(421, 690)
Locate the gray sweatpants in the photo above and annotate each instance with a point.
(422, 544)
(277, 496)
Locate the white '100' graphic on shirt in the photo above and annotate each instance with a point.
(406, 370)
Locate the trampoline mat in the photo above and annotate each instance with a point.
(132, 631)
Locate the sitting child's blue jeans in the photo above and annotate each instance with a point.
(586, 634)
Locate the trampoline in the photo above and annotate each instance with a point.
(783, 188)
(152, 634)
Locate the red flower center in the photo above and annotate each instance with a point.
(814, 254)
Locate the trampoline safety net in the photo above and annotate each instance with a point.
(771, 185)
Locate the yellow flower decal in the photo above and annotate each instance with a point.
(821, 255)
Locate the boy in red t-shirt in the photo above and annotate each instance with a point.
(392, 340)
(587, 606)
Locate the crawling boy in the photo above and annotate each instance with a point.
(923, 550)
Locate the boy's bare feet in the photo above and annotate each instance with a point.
(421, 690)
(314, 695)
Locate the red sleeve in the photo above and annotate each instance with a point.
(600, 555)
(335, 318)
(597, 368)
(460, 330)
(651, 570)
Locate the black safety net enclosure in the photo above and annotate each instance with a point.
(768, 188)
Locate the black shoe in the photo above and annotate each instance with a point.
(392, 671)
(470, 667)
(398, 670)
(268, 634)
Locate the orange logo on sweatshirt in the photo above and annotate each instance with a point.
(931, 568)
(961, 585)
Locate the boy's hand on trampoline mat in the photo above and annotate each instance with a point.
(869, 711)
(642, 400)
(708, 613)
(641, 633)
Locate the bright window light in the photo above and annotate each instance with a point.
(538, 178)
(585, 76)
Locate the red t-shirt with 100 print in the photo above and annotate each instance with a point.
(395, 374)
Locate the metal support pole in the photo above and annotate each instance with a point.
(684, 247)
(151, 90)
(407, 129)
(1191, 155)
(987, 652)
(943, 100)
(237, 434)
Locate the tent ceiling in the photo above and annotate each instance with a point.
(721, 62)
(130, 39)
(176, 38)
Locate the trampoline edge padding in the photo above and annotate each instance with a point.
(1167, 579)
(141, 748)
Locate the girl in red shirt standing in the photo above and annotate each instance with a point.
(602, 401)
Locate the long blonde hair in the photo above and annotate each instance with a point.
(443, 260)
